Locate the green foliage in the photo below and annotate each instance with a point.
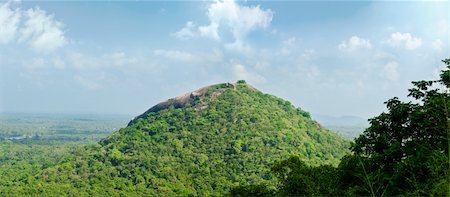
(258, 190)
(241, 82)
(405, 151)
(226, 138)
(20, 162)
(298, 179)
(409, 144)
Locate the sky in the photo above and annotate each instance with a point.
(335, 58)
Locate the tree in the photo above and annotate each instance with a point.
(405, 147)
(405, 151)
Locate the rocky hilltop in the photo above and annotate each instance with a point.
(199, 144)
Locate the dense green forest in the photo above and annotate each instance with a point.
(231, 139)
(30, 143)
(202, 143)
(405, 152)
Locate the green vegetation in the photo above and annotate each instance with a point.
(241, 82)
(223, 137)
(405, 151)
(30, 143)
(230, 139)
(20, 162)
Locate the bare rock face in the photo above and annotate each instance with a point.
(189, 98)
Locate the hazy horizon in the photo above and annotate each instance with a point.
(330, 58)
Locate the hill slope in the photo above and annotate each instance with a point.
(201, 143)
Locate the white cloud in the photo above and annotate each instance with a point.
(405, 40)
(211, 31)
(237, 19)
(390, 71)
(33, 26)
(354, 43)
(240, 72)
(42, 31)
(437, 45)
(240, 19)
(239, 46)
(119, 59)
(188, 31)
(9, 22)
(176, 55)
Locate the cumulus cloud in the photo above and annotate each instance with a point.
(241, 72)
(9, 22)
(211, 31)
(354, 43)
(239, 20)
(390, 71)
(42, 31)
(175, 55)
(188, 31)
(405, 40)
(33, 26)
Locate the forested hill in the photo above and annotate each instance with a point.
(199, 144)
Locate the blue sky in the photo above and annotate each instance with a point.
(327, 57)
